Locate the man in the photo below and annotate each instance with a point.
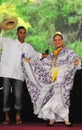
(11, 71)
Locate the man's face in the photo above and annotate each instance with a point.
(57, 41)
(21, 34)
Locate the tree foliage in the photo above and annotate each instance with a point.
(43, 17)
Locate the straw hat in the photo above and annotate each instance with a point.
(9, 23)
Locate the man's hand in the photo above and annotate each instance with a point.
(44, 55)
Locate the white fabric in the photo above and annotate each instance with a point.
(54, 109)
(10, 65)
(51, 100)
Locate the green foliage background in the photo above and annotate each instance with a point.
(42, 18)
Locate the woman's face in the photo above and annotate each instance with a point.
(58, 41)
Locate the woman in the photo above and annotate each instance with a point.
(50, 81)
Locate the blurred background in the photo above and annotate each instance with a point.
(42, 18)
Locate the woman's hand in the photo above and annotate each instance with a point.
(27, 60)
(76, 61)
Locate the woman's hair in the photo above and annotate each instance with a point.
(59, 34)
